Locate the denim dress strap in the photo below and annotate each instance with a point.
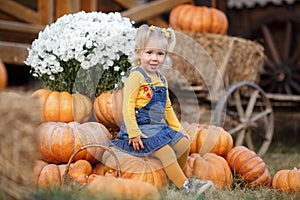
(148, 79)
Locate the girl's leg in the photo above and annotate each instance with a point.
(169, 161)
(182, 150)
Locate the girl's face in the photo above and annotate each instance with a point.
(153, 56)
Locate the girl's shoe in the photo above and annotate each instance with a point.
(196, 186)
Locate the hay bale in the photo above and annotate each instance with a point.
(19, 117)
(245, 62)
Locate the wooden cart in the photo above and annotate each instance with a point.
(231, 96)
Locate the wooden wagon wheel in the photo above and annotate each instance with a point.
(245, 112)
(280, 35)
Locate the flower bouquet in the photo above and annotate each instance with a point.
(86, 53)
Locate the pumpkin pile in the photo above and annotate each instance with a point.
(212, 155)
(64, 129)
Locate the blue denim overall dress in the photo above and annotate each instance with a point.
(151, 122)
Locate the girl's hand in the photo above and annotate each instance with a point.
(136, 142)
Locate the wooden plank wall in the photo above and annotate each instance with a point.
(20, 25)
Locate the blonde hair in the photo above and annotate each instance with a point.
(145, 32)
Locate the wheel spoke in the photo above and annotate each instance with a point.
(249, 140)
(236, 129)
(251, 104)
(295, 56)
(261, 114)
(238, 104)
(295, 85)
(271, 45)
(287, 89)
(240, 138)
(287, 41)
(269, 63)
(272, 88)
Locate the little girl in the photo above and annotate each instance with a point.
(150, 125)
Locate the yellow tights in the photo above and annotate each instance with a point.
(174, 160)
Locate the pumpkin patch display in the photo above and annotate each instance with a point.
(248, 166)
(287, 180)
(208, 138)
(108, 109)
(198, 19)
(121, 188)
(146, 169)
(3, 75)
(210, 167)
(63, 106)
(57, 141)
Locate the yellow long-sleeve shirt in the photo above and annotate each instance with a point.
(137, 94)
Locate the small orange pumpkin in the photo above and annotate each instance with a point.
(108, 109)
(246, 164)
(63, 106)
(210, 167)
(199, 19)
(80, 167)
(145, 169)
(57, 141)
(208, 138)
(287, 180)
(3, 75)
(121, 188)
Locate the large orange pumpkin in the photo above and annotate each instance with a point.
(57, 141)
(108, 187)
(210, 167)
(208, 138)
(3, 75)
(51, 174)
(248, 166)
(145, 169)
(63, 106)
(108, 109)
(199, 19)
(287, 180)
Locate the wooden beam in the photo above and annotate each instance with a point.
(63, 7)
(88, 5)
(158, 21)
(20, 12)
(152, 9)
(13, 53)
(127, 3)
(46, 11)
(20, 27)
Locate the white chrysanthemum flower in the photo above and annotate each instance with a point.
(116, 68)
(91, 40)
